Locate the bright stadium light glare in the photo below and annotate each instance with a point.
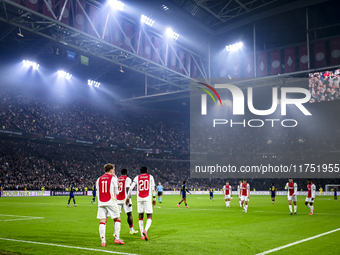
(93, 83)
(28, 64)
(171, 33)
(234, 47)
(115, 4)
(146, 20)
(63, 74)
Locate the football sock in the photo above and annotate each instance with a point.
(240, 203)
(141, 226)
(186, 204)
(148, 224)
(290, 208)
(295, 208)
(117, 225)
(308, 206)
(246, 207)
(226, 204)
(131, 227)
(161, 199)
(311, 208)
(102, 230)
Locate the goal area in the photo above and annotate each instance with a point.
(329, 187)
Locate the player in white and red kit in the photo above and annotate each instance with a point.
(310, 196)
(245, 192)
(227, 193)
(239, 193)
(292, 189)
(124, 185)
(107, 186)
(146, 198)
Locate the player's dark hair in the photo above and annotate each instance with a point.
(108, 167)
(245, 179)
(184, 182)
(272, 184)
(124, 171)
(143, 169)
(309, 179)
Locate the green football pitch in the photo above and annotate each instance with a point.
(45, 225)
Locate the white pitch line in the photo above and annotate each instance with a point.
(30, 218)
(66, 246)
(9, 215)
(21, 217)
(297, 242)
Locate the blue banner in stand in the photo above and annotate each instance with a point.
(71, 55)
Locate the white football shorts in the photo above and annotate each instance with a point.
(245, 198)
(294, 199)
(111, 211)
(226, 196)
(144, 207)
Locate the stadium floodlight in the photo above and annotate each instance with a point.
(28, 64)
(171, 33)
(63, 74)
(235, 46)
(165, 8)
(146, 20)
(93, 83)
(115, 4)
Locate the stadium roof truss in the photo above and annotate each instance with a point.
(53, 29)
(213, 13)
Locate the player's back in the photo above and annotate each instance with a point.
(145, 187)
(124, 182)
(107, 190)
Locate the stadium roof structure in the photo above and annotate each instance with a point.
(207, 26)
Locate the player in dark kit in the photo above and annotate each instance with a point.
(72, 196)
(335, 194)
(94, 189)
(184, 191)
(211, 193)
(272, 190)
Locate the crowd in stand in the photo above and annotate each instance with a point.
(82, 121)
(324, 86)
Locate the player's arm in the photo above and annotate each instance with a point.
(128, 196)
(127, 188)
(248, 190)
(313, 191)
(230, 192)
(187, 191)
(295, 189)
(114, 188)
(286, 187)
(152, 186)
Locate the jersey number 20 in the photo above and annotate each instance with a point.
(143, 185)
